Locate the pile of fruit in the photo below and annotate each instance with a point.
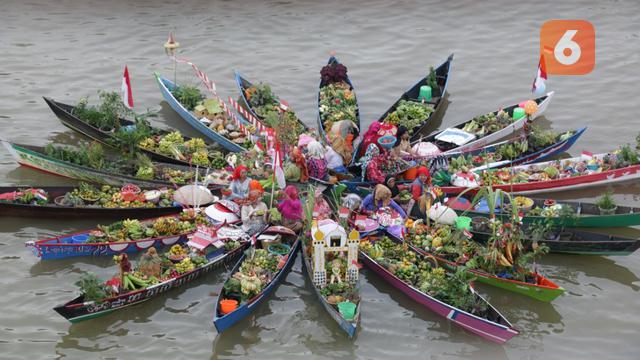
(410, 114)
(193, 151)
(421, 273)
(484, 125)
(130, 230)
(112, 197)
(185, 265)
(337, 103)
(253, 276)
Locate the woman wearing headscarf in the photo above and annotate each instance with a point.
(254, 213)
(390, 182)
(335, 162)
(380, 198)
(298, 159)
(316, 163)
(421, 183)
(368, 159)
(370, 137)
(239, 184)
(291, 209)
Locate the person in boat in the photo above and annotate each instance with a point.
(335, 162)
(298, 159)
(402, 147)
(370, 137)
(316, 162)
(380, 198)
(421, 183)
(254, 213)
(291, 209)
(419, 208)
(369, 165)
(239, 186)
(341, 136)
(390, 182)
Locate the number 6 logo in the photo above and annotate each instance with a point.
(568, 46)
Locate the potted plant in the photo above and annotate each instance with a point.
(606, 204)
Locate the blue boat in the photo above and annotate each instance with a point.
(244, 84)
(442, 78)
(76, 244)
(166, 87)
(321, 129)
(349, 326)
(224, 321)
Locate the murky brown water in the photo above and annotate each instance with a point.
(70, 49)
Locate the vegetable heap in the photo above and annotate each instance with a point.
(484, 125)
(128, 230)
(420, 273)
(253, 276)
(194, 151)
(337, 103)
(410, 114)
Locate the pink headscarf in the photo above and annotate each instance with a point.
(370, 137)
(291, 207)
(291, 192)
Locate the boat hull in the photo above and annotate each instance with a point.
(482, 327)
(166, 86)
(76, 311)
(225, 322)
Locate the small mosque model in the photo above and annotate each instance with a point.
(329, 236)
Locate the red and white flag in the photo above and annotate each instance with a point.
(127, 95)
(284, 106)
(277, 168)
(539, 85)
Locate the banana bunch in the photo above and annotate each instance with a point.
(184, 266)
(177, 250)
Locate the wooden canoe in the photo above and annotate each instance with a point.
(76, 244)
(321, 130)
(243, 84)
(224, 321)
(66, 116)
(587, 215)
(35, 158)
(166, 86)
(349, 326)
(53, 210)
(494, 328)
(510, 129)
(607, 177)
(78, 310)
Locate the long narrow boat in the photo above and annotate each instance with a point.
(586, 215)
(224, 321)
(577, 181)
(578, 242)
(321, 130)
(349, 326)
(243, 84)
(53, 210)
(166, 88)
(541, 289)
(485, 139)
(35, 157)
(78, 244)
(363, 187)
(494, 327)
(78, 309)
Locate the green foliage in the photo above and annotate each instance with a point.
(606, 201)
(91, 287)
(629, 155)
(539, 139)
(432, 80)
(188, 96)
(410, 114)
(107, 114)
(128, 139)
(89, 155)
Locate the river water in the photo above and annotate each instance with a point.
(70, 49)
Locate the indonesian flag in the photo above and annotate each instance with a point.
(284, 106)
(277, 168)
(539, 86)
(127, 95)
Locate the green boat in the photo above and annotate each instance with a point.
(584, 215)
(36, 158)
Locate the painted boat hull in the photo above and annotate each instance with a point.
(54, 211)
(224, 322)
(350, 327)
(166, 86)
(321, 130)
(31, 158)
(442, 72)
(64, 113)
(484, 328)
(77, 311)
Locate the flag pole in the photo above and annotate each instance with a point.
(273, 171)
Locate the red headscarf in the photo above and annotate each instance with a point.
(237, 171)
(422, 170)
(370, 137)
